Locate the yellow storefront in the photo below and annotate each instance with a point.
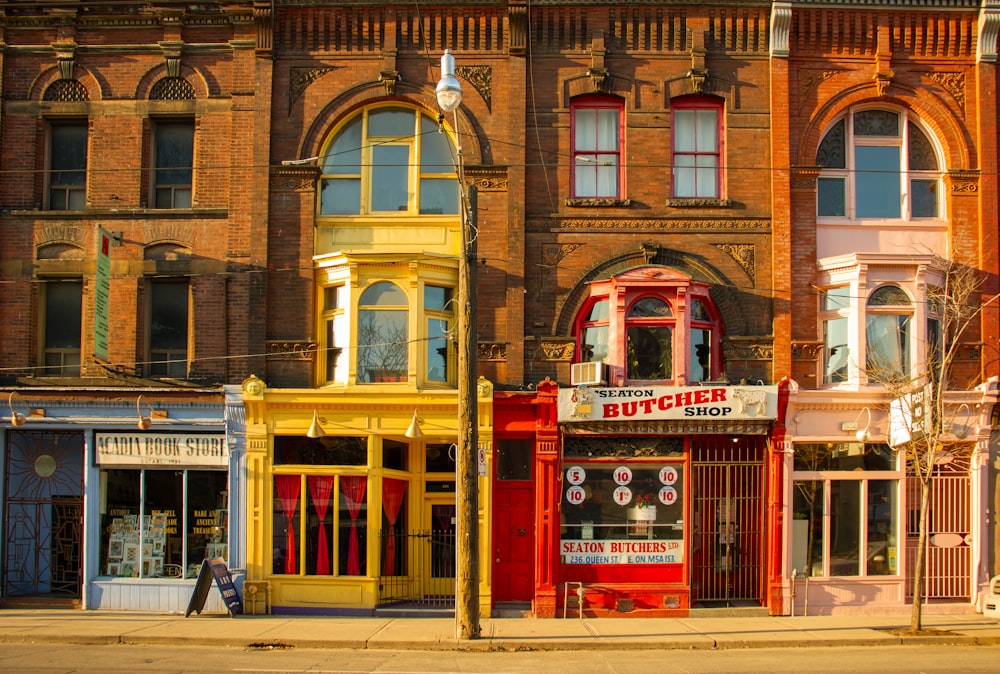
(352, 497)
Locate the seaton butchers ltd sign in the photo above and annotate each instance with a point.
(690, 403)
(203, 450)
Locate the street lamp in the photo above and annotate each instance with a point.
(449, 97)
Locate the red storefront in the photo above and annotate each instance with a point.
(651, 499)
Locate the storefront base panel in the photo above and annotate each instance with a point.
(625, 600)
(296, 595)
(125, 594)
(826, 596)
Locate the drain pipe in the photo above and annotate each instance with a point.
(795, 573)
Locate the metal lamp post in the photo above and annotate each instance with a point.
(449, 97)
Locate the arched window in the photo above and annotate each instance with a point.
(383, 343)
(649, 337)
(877, 164)
(389, 160)
(888, 319)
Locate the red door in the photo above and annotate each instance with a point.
(513, 522)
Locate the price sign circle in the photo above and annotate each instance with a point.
(668, 475)
(575, 475)
(623, 496)
(668, 495)
(623, 475)
(576, 495)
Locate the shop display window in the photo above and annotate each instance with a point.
(606, 507)
(162, 523)
(844, 520)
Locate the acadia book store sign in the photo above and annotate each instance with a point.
(206, 450)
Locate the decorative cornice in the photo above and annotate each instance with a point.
(632, 224)
(481, 79)
(487, 178)
(962, 182)
(744, 255)
(291, 349)
(989, 26)
(806, 350)
(301, 78)
(294, 178)
(491, 351)
(747, 348)
(550, 349)
(781, 23)
(953, 83)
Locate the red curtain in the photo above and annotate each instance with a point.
(353, 488)
(320, 487)
(288, 487)
(392, 501)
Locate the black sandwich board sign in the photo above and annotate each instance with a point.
(215, 568)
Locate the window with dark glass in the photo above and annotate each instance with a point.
(169, 302)
(173, 163)
(162, 523)
(67, 174)
(649, 329)
(63, 328)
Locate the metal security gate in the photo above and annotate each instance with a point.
(728, 488)
(949, 540)
(43, 515)
(422, 570)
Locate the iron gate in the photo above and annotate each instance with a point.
(43, 514)
(948, 559)
(422, 568)
(729, 490)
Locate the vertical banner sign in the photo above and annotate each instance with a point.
(102, 293)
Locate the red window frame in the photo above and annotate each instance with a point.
(591, 159)
(695, 104)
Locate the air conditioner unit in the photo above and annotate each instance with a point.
(589, 374)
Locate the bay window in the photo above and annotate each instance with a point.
(835, 303)
(888, 318)
(383, 342)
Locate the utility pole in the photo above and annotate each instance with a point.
(449, 96)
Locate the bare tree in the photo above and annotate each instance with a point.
(922, 408)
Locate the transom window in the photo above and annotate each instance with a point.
(597, 147)
(877, 164)
(389, 161)
(697, 147)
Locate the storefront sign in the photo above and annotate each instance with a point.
(160, 449)
(691, 403)
(621, 552)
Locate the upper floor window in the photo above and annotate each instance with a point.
(173, 162)
(697, 147)
(67, 174)
(389, 161)
(383, 335)
(877, 164)
(439, 311)
(63, 325)
(334, 314)
(887, 334)
(169, 302)
(597, 147)
(667, 331)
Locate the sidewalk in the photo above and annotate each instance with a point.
(498, 634)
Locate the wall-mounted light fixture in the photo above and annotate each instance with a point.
(961, 431)
(413, 431)
(145, 422)
(862, 432)
(16, 418)
(315, 430)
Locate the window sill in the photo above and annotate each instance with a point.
(699, 203)
(597, 203)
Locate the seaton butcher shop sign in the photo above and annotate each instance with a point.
(206, 450)
(675, 403)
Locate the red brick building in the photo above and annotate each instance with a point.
(132, 242)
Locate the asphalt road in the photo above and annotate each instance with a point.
(66, 659)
